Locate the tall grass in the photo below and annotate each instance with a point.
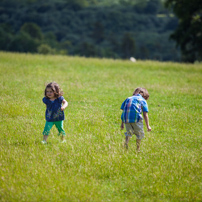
(93, 165)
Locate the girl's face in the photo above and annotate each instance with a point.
(49, 93)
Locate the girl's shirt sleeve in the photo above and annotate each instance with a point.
(61, 98)
(45, 100)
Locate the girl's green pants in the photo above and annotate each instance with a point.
(49, 125)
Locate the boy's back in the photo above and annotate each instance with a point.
(132, 108)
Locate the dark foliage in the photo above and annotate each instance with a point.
(188, 34)
(77, 28)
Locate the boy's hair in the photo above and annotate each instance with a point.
(142, 91)
(55, 88)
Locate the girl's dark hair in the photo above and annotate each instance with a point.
(55, 88)
(143, 92)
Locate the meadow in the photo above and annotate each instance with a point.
(93, 165)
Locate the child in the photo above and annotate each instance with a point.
(132, 108)
(55, 106)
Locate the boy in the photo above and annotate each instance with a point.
(132, 108)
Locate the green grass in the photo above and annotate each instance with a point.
(93, 165)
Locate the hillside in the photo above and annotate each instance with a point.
(112, 31)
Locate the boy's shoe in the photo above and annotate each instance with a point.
(63, 141)
(43, 142)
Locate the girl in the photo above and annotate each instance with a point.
(55, 106)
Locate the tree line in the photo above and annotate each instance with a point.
(89, 28)
(188, 33)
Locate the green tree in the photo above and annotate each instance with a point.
(22, 42)
(98, 32)
(6, 35)
(128, 46)
(86, 49)
(188, 34)
(33, 30)
(153, 7)
(76, 4)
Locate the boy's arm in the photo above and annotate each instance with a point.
(65, 104)
(146, 118)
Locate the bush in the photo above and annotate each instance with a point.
(45, 49)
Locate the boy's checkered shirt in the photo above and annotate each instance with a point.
(132, 108)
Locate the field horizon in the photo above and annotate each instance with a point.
(93, 164)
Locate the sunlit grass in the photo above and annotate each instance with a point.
(93, 165)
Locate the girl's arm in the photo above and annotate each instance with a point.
(122, 125)
(65, 104)
(146, 118)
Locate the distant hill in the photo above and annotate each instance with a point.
(91, 28)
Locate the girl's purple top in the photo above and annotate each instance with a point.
(53, 110)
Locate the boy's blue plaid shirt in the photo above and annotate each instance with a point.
(132, 108)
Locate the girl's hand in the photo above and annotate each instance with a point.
(122, 126)
(62, 108)
(65, 104)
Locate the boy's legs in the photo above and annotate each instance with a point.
(137, 129)
(139, 132)
(46, 130)
(126, 142)
(138, 141)
(59, 126)
(128, 134)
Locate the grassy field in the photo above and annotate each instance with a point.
(93, 165)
